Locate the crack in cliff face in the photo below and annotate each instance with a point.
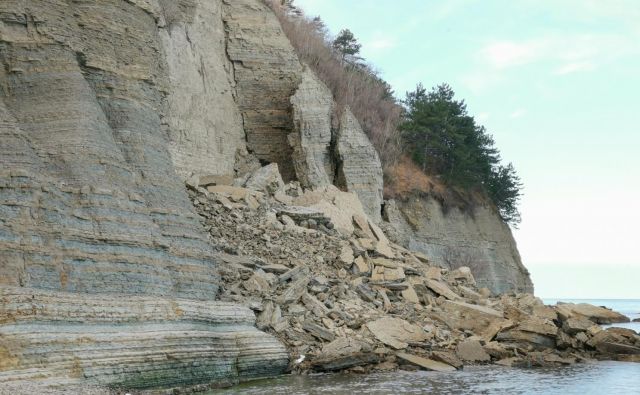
(267, 72)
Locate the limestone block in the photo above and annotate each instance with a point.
(313, 107)
(359, 167)
(396, 332)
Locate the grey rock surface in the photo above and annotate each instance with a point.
(267, 73)
(359, 168)
(90, 202)
(203, 122)
(481, 241)
(313, 107)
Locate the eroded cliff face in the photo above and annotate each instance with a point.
(106, 108)
(479, 240)
(93, 101)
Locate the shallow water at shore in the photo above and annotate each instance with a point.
(583, 379)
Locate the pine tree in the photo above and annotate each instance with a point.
(347, 46)
(446, 141)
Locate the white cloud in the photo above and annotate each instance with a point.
(380, 44)
(520, 112)
(505, 54)
(574, 67)
(559, 53)
(578, 52)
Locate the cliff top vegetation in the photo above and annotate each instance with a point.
(433, 129)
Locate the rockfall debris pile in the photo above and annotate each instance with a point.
(324, 279)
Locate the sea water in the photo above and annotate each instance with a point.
(598, 378)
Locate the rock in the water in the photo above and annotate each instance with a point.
(574, 325)
(525, 338)
(447, 357)
(339, 363)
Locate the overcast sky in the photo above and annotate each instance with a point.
(556, 82)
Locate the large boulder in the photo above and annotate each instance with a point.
(599, 315)
(472, 351)
(396, 332)
(461, 315)
(267, 179)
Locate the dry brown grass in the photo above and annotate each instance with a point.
(405, 179)
(352, 87)
(359, 89)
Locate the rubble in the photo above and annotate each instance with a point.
(325, 280)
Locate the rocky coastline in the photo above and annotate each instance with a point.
(324, 279)
(148, 241)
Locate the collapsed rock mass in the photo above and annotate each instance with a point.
(324, 279)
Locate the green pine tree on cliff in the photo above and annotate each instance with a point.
(446, 141)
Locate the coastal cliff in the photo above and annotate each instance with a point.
(106, 272)
(107, 108)
(451, 238)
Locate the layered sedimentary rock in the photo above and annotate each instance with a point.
(132, 342)
(202, 119)
(359, 168)
(478, 239)
(313, 107)
(90, 202)
(267, 73)
(107, 275)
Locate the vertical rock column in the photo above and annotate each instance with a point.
(359, 167)
(313, 107)
(202, 119)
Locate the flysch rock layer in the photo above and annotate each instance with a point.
(203, 122)
(90, 203)
(267, 73)
(481, 241)
(132, 341)
(313, 107)
(359, 168)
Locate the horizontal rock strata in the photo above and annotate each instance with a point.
(132, 341)
(91, 207)
(452, 238)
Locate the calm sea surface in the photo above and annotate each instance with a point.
(583, 379)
